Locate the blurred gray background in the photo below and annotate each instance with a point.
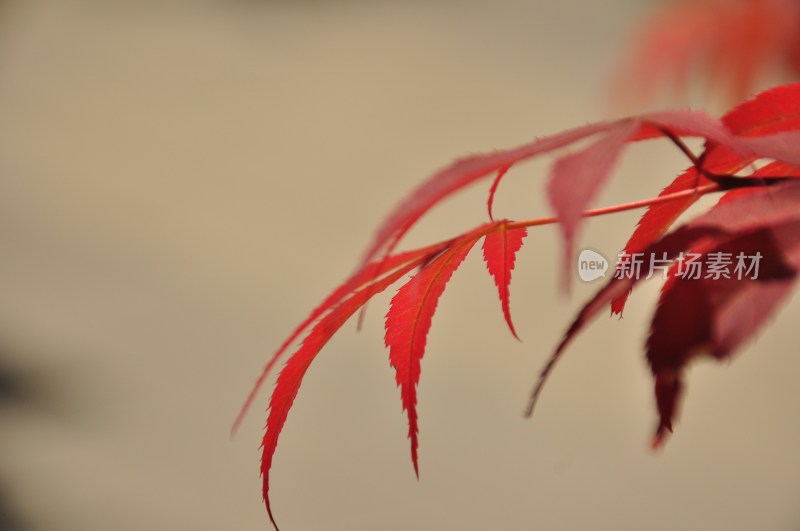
(183, 181)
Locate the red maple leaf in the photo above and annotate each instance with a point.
(758, 216)
(500, 253)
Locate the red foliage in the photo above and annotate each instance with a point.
(408, 322)
(759, 214)
(500, 252)
(770, 112)
(731, 41)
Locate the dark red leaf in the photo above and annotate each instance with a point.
(773, 111)
(714, 314)
(671, 244)
(712, 317)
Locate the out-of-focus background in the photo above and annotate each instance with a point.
(183, 181)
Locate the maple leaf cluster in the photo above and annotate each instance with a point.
(751, 157)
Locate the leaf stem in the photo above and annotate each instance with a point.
(700, 190)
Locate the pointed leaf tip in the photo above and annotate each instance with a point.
(499, 253)
(408, 322)
(365, 275)
(291, 376)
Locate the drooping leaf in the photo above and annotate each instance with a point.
(470, 169)
(723, 316)
(716, 314)
(657, 220)
(773, 111)
(461, 173)
(670, 245)
(576, 180)
(500, 252)
(364, 275)
(340, 311)
(660, 217)
(408, 322)
(295, 369)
